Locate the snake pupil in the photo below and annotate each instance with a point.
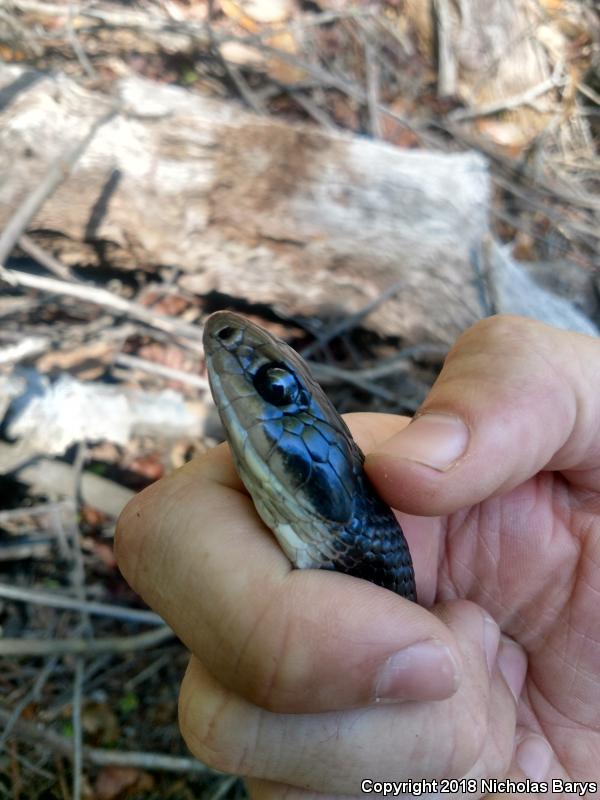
(225, 333)
(276, 384)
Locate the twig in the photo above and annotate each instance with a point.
(73, 604)
(46, 259)
(16, 305)
(251, 98)
(312, 109)
(34, 511)
(528, 194)
(223, 787)
(148, 672)
(30, 346)
(133, 362)
(588, 92)
(18, 548)
(106, 299)
(147, 761)
(35, 768)
(78, 571)
(352, 320)
(234, 73)
(57, 173)
(487, 290)
(15, 773)
(539, 184)
(328, 79)
(391, 366)
(56, 477)
(447, 69)
(62, 780)
(27, 698)
(77, 738)
(134, 19)
(199, 32)
(34, 732)
(84, 627)
(372, 92)
(77, 47)
(75, 646)
(327, 373)
(525, 98)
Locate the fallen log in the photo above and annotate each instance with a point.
(308, 221)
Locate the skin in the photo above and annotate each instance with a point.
(307, 682)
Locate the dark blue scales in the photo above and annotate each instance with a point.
(298, 459)
(324, 465)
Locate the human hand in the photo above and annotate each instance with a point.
(316, 680)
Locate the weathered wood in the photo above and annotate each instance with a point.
(308, 221)
(52, 417)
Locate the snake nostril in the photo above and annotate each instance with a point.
(226, 333)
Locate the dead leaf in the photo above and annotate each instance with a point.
(87, 355)
(249, 12)
(524, 246)
(9, 54)
(114, 783)
(250, 15)
(170, 304)
(103, 552)
(100, 723)
(235, 12)
(169, 356)
(241, 54)
(345, 112)
(278, 68)
(91, 517)
(187, 10)
(395, 132)
(104, 451)
(504, 133)
(149, 466)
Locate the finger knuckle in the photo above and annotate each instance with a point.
(496, 331)
(273, 682)
(206, 729)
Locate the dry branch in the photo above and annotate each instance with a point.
(47, 476)
(105, 299)
(27, 347)
(84, 646)
(308, 221)
(30, 731)
(55, 600)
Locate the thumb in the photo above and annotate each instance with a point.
(514, 397)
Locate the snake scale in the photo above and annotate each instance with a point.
(298, 460)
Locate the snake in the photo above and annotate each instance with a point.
(298, 460)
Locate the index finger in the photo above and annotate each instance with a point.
(193, 546)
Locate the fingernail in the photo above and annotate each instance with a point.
(512, 663)
(491, 640)
(534, 757)
(436, 440)
(423, 671)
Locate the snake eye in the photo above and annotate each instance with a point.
(276, 384)
(225, 333)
